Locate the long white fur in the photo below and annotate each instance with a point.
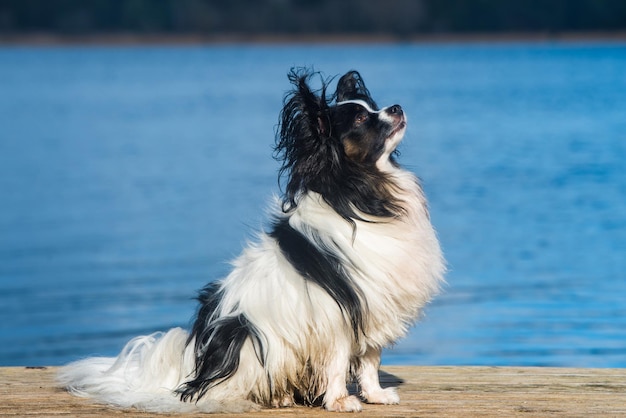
(397, 263)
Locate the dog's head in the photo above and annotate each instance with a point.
(340, 146)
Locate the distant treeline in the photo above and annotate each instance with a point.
(283, 17)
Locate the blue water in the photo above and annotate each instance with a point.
(130, 176)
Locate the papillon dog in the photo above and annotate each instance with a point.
(346, 266)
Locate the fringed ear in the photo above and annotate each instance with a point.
(352, 87)
(304, 143)
(303, 109)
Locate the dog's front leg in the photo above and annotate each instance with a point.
(369, 382)
(336, 397)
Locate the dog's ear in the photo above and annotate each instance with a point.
(304, 112)
(304, 143)
(352, 87)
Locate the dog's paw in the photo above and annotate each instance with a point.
(387, 396)
(345, 404)
(283, 402)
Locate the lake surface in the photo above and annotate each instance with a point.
(130, 176)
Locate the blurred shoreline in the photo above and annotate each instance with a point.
(130, 39)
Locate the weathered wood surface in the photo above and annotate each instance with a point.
(424, 392)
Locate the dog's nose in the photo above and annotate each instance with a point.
(395, 110)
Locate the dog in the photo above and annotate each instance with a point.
(346, 266)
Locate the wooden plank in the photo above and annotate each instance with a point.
(424, 392)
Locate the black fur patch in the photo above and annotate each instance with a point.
(322, 268)
(218, 342)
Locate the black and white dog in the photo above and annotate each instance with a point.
(344, 270)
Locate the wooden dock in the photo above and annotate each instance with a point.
(424, 392)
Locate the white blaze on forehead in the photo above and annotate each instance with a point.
(362, 103)
(383, 115)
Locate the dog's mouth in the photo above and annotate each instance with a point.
(401, 125)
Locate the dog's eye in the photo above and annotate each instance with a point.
(360, 118)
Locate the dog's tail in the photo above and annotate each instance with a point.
(145, 375)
